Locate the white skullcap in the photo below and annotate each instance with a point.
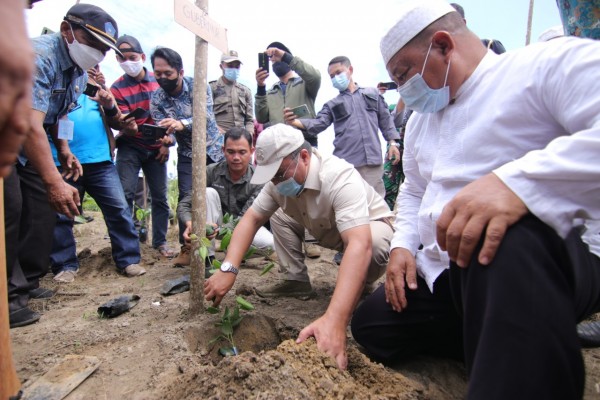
(415, 15)
(551, 33)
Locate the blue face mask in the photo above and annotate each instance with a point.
(290, 187)
(231, 74)
(340, 81)
(418, 96)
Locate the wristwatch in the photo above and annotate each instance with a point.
(228, 267)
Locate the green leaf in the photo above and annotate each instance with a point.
(213, 270)
(250, 251)
(213, 310)
(139, 214)
(267, 268)
(225, 314)
(216, 264)
(193, 236)
(203, 252)
(236, 322)
(244, 304)
(227, 328)
(206, 242)
(225, 241)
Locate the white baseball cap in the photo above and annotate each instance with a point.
(273, 145)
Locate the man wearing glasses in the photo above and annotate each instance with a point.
(329, 198)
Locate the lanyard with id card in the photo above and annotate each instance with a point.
(65, 129)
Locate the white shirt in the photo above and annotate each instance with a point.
(532, 116)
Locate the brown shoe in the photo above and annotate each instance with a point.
(312, 250)
(184, 258)
(286, 289)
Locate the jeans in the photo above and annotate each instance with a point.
(184, 183)
(101, 181)
(129, 161)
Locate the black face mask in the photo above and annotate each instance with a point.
(168, 85)
(280, 68)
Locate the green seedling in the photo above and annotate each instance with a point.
(227, 323)
(244, 304)
(267, 268)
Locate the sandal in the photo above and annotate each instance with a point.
(165, 251)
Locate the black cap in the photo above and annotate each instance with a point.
(132, 42)
(279, 46)
(96, 22)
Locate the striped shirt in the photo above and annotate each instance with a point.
(131, 94)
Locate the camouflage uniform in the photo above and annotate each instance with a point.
(232, 105)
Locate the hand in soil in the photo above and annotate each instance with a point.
(330, 336)
(217, 286)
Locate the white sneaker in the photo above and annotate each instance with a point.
(134, 270)
(66, 276)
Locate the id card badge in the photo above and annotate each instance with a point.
(65, 129)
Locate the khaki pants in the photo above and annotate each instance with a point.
(373, 175)
(288, 236)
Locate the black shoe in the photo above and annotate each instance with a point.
(23, 317)
(208, 265)
(338, 257)
(40, 293)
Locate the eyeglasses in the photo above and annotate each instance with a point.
(280, 177)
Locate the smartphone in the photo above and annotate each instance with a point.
(263, 61)
(301, 111)
(137, 114)
(153, 132)
(389, 85)
(91, 90)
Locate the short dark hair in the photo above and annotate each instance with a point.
(345, 61)
(458, 9)
(169, 55)
(304, 145)
(236, 133)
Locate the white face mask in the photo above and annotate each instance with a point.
(132, 68)
(83, 55)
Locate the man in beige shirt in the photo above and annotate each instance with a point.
(329, 198)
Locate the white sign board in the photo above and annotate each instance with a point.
(197, 21)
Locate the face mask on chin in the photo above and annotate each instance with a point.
(418, 96)
(132, 68)
(168, 85)
(83, 55)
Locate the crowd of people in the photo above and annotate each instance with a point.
(480, 213)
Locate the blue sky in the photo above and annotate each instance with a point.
(314, 30)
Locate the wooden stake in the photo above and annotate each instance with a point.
(9, 382)
(198, 170)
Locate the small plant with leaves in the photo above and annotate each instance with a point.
(230, 319)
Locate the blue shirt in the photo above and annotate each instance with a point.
(163, 105)
(57, 81)
(90, 143)
(357, 117)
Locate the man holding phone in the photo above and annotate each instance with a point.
(172, 108)
(357, 114)
(298, 84)
(134, 90)
(93, 145)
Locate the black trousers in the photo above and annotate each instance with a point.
(519, 316)
(29, 223)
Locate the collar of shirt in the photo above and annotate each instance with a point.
(312, 180)
(223, 170)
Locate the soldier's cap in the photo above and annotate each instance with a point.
(273, 145)
(96, 22)
(132, 42)
(230, 56)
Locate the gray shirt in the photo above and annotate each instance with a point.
(357, 117)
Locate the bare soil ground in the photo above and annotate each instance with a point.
(156, 351)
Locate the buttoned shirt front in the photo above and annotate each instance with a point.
(163, 105)
(357, 117)
(335, 198)
(236, 197)
(232, 105)
(531, 117)
(57, 81)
